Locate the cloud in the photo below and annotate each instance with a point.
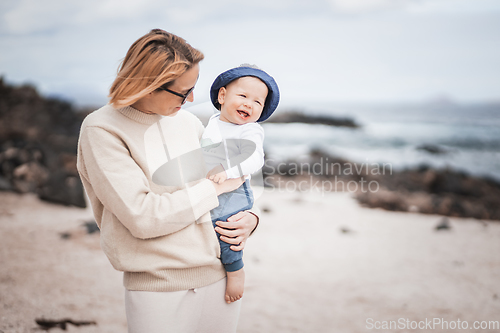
(73, 48)
(33, 16)
(21, 17)
(414, 6)
(29, 16)
(466, 7)
(362, 6)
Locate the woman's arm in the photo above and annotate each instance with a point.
(238, 228)
(106, 166)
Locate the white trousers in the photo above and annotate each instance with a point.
(186, 311)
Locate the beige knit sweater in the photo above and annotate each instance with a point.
(159, 235)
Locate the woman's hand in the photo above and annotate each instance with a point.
(228, 186)
(237, 229)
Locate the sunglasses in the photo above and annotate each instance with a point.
(184, 97)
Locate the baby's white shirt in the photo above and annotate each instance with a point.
(225, 143)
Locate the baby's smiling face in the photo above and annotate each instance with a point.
(242, 100)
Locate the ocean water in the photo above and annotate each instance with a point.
(469, 135)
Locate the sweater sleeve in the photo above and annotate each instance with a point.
(123, 188)
(251, 157)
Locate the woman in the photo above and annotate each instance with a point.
(155, 226)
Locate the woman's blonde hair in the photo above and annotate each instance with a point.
(154, 60)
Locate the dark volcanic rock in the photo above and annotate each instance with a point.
(91, 227)
(38, 140)
(445, 192)
(432, 149)
(444, 224)
(297, 117)
(63, 188)
(424, 190)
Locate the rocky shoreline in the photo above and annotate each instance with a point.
(429, 191)
(38, 140)
(299, 117)
(423, 189)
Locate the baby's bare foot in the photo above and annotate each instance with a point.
(235, 285)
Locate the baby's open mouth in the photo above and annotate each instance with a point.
(244, 114)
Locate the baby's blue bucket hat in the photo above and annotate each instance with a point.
(273, 95)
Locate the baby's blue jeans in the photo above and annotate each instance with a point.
(231, 203)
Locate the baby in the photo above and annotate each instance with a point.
(233, 147)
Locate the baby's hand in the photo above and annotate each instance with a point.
(217, 175)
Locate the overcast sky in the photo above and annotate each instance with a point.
(319, 51)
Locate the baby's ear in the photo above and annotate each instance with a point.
(222, 95)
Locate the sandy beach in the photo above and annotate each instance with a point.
(317, 263)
